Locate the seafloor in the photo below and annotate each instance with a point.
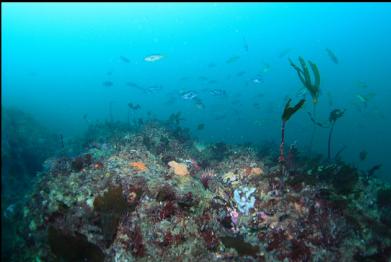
(156, 194)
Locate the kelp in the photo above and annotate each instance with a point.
(110, 207)
(373, 169)
(72, 246)
(305, 78)
(345, 179)
(175, 118)
(334, 116)
(311, 86)
(286, 115)
(289, 111)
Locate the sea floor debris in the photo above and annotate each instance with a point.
(151, 195)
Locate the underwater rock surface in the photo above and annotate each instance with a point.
(125, 203)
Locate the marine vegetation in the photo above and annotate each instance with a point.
(132, 108)
(344, 179)
(312, 86)
(286, 115)
(305, 77)
(373, 169)
(73, 246)
(175, 119)
(334, 116)
(109, 208)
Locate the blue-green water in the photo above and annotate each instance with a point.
(224, 66)
(56, 58)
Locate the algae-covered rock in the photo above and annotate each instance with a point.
(243, 214)
(345, 179)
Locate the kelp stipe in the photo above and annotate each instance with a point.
(334, 115)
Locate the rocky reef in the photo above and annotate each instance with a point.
(150, 194)
(25, 144)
